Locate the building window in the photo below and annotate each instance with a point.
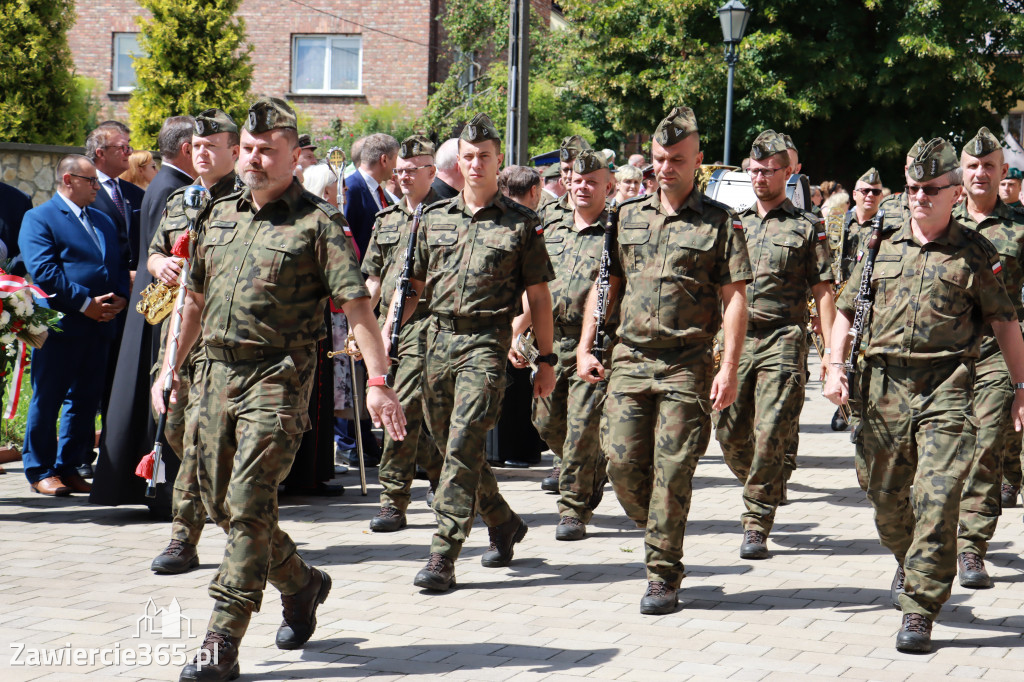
(327, 64)
(126, 48)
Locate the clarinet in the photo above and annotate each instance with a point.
(603, 285)
(865, 298)
(404, 288)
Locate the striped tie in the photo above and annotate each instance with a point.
(118, 201)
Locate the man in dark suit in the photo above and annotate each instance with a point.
(366, 193)
(108, 147)
(449, 181)
(13, 205)
(73, 252)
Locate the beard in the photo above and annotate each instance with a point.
(254, 179)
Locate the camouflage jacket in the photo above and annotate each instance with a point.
(576, 258)
(174, 222)
(479, 265)
(854, 233)
(267, 274)
(789, 254)
(673, 267)
(932, 300)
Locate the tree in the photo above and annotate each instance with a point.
(38, 92)
(195, 57)
(855, 83)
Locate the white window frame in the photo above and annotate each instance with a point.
(328, 38)
(120, 37)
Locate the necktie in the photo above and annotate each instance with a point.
(115, 194)
(90, 229)
(384, 203)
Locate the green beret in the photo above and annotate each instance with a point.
(677, 126)
(768, 143)
(551, 172)
(268, 113)
(589, 161)
(306, 141)
(480, 128)
(983, 144)
(571, 147)
(213, 121)
(935, 160)
(789, 141)
(871, 177)
(417, 145)
(1014, 174)
(916, 149)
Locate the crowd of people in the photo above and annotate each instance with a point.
(649, 314)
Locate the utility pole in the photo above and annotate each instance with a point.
(517, 123)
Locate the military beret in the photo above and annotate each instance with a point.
(872, 177)
(417, 145)
(982, 144)
(306, 142)
(589, 161)
(789, 141)
(551, 172)
(1014, 174)
(935, 159)
(768, 143)
(479, 128)
(213, 121)
(648, 171)
(571, 147)
(268, 113)
(677, 126)
(916, 149)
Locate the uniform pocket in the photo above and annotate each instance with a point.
(273, 258)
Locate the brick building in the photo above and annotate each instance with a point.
(326, 56)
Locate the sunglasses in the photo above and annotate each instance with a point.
(929, 191)
(872, 192)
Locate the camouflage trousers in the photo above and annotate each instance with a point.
(569, 421)
(464, 383)
(915, 448)
(980, 506)
(249, 421)
(398, 459)
(1012, 461)
(187, 510)
(658, 426)
(757, 429)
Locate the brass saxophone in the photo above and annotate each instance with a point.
(157, 300)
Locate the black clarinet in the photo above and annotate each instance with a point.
(865, 298)
(603, 286)
(404, 288)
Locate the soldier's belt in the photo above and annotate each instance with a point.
(771, 325)
(572, 331)
(251, 353)
(903, 361)
(467, 325)
(671, 344)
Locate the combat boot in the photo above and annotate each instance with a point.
(1008, 495)
(659, 599)
(503, 537)
(915, 635)
(550, 482)
(972, 571)
(179, 557)
(755, 545)
(216, 661)
(896, 589)
(300, 611)
(387, 520)
(438, 575)
(570, 528)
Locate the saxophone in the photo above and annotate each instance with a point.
(157, 300)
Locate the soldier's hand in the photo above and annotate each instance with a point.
(385, 410)
(516, 359)
(1017, 410)
(724, 388)
(836, 388)
(156, 393)
(588, 367)
(168, 271)
(352, 349)
(543, 380)
(385, 336)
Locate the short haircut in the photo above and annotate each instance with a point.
(447, 156)
(101, 135)
(497, 144)
(628, 173)
(292, 135)
(956, 176)
(316, 179)
(176, 131)
(376, 146)
(69, 164)
(517, 181)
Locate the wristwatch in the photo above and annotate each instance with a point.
(1018, 386)
(382, 380)
(550, 359)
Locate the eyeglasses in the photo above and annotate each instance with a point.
(929, 191)
(866, 191)
(764, 172)
(93, 180)
(409, 171)
(126, 149)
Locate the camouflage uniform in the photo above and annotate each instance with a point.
(385, 258)
(917, 440)
(658, 409)
(789, 254)
(266, 276)
(475, 268)
(569, 419)
(854, 232)
(998, 443)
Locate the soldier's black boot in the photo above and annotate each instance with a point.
(755, 545)
(300, 611)
(216, 661)
(503, 537)
(915, 635)
(896, 589)
(179, 557)
(438, 575)
(1008, 495)
(387, 520)
(972, 571)
(550, 482)
(570, 528)
(659, 599)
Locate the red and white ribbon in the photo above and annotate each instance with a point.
(11, 283)
(14, 395)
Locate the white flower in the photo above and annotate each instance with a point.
(5, 319)
(36, 329)
(7, 339)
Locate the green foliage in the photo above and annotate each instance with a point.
(391, 118)
(195, 57)
(38, 92)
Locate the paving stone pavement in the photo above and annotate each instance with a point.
(75, 578)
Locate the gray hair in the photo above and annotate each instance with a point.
(176, 131)
(101, 136)
(376, 146)
(316, 179)
(447, 155)
(628, 173)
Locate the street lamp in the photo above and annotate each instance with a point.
(734, 16)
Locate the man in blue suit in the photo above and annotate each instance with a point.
(366, 194)
(109, 147)
(73, 252)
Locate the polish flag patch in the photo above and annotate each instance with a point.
(539, 228)
(821, 237)
(997, 267)
(737, 225)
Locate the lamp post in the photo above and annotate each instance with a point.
(734, 16)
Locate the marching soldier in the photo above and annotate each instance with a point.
(479, 252)
(981, 161)
(936, 284)
(214, 153)
(680, 259)
(269, 258)
(569, 419)
(383, 264)
(789, 255)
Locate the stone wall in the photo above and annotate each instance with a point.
(30, 167)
